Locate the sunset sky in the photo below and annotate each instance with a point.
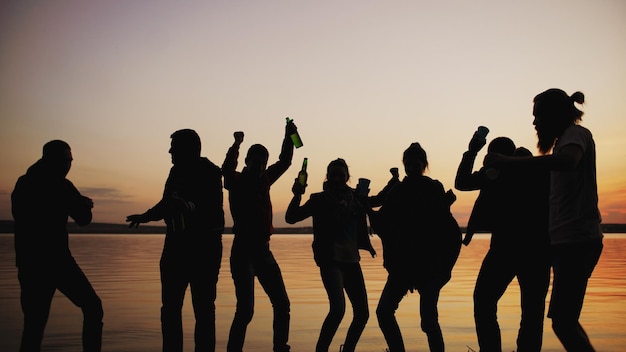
(361, 79)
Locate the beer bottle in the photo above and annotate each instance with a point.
(295, 136)
(302, 175)
(178, 218)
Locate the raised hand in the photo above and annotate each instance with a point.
(298, 189)
(238, 137)
(476, 143)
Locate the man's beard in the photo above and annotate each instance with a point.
(545, 141)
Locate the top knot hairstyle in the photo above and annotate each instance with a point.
(415, 155)
(556, 102)
(578, 97)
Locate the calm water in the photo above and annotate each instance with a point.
(124, 271)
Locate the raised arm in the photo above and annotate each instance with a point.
(378, 199)
(295, 212)
(230, 162)
(276, 170)
(465, 179)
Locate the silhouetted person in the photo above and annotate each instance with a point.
(575, 233)
(485, 212)
(251, 208)
(421, 242)
(41, 203)
(513, 206)
(339, 231)
(192, 207)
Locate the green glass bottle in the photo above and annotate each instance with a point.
(295, 136)
(302, 175)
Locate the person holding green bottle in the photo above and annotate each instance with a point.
(251, 209)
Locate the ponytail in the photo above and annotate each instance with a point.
(578, 97)
(556, 101)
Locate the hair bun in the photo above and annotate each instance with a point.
(578, 97)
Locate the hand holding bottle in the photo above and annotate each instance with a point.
(479, 139)
(298, 189)
(302, 174)
(178, 207)
(177, 204)
(300, 182)
(292, 132)
(363, 187)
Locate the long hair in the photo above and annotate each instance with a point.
(557, 111)
(557, 103)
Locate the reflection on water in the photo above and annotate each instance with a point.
(124, 271)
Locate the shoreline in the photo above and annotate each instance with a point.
(6, 226)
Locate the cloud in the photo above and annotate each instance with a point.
(106, 195)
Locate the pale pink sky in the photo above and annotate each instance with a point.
(361, 79)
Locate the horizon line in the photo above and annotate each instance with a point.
(7, 226)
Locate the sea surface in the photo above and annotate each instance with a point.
(124, 270)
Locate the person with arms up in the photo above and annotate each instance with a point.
(41, 202)
(339, 231)
(192, 207)
(568, 151)
(251, 209)
(421, 243)
(513, 207)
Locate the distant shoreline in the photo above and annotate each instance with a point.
(6, 226)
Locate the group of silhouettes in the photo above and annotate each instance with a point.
(542, 212)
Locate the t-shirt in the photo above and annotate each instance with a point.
(574, 213)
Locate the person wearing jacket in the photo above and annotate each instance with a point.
(421, 242)
(339, 231)
(192, 207)
(251, 209)
(41, 203)
(485, 212)
(513, 206)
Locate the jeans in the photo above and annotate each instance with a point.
(197, 267)
(498, 269)
(572, 265)
(338, 277)
(244, 266)
(395, 289)
(38, 284)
